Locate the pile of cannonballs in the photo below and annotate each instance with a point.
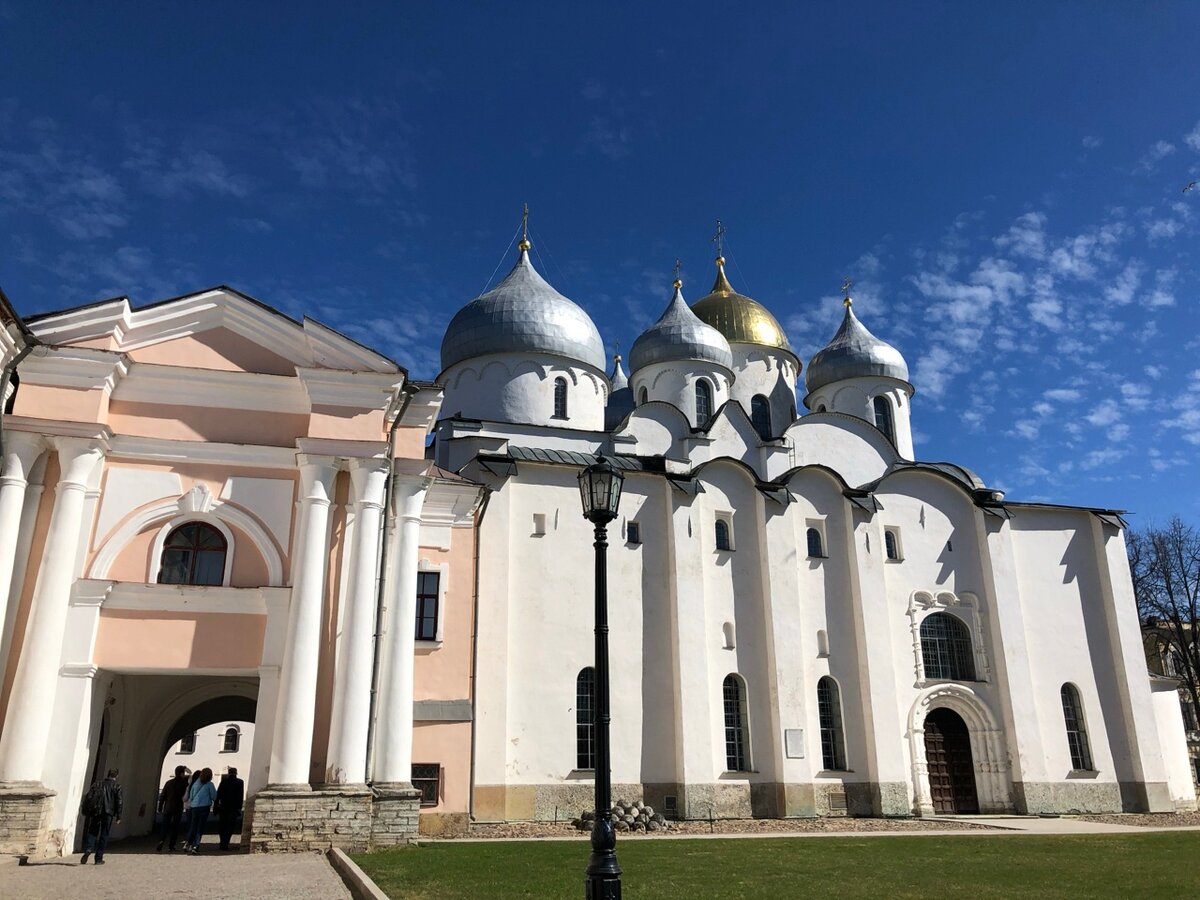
(626, 817)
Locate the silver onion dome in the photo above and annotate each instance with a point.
(523, 314)
(678, 335)
(853, 353)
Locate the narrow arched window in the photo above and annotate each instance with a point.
(704, 400)
(231, 740)
(829, 708)
(585, 725)
(194, 553)
(187, 743)
(724, 538)
(946, 648)
(643, 397)
(890, 546)
(760, 416)
(883, 417)
(1077, 739)
(821, 408)
(816, 547)
(734, 692)
(560, 398)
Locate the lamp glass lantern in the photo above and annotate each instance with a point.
(600, 490)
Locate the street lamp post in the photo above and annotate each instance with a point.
(600, 490)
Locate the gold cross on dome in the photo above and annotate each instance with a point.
(846, 285)
(718, 238)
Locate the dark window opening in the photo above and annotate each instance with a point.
(427, 605)
(560, 398)
(633, 533)
(946, 648)
(1077, 740)
(890, 545)
(833, 750)
(231, 740)
(704, 402)
(816, 547)
(194, 553)
(585, 723)
(735, 724)
(643, 397)
(883, 418)
(760, 416)
(187, 744)
(427, 778)
(724, 541)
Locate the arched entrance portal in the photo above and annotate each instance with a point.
(950, 765)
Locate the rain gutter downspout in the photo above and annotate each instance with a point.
(381, 576)
(487, 495)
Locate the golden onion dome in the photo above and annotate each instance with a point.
(736, 316)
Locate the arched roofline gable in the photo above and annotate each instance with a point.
(852, 424)
(650, 410)
(785, 479)
(966, 482)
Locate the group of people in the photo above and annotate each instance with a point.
(184, 802)
(188, 802)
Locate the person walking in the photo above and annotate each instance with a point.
(102, 806)
(170, 806)
(203, 796)
(230, 797)
(187, 811)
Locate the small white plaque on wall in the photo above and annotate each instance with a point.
(793, 742)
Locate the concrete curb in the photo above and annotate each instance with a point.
(357, 881)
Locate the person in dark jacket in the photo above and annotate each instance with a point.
(105, 806)
(230, 796)
(170, 806)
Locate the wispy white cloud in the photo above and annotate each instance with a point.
(1192, 138)
(1157, 152)
(1091, 142)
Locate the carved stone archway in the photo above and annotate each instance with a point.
(993, 774)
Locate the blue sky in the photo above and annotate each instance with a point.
(1003, 182)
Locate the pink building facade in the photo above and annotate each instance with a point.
(209, 512)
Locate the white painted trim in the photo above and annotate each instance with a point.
(75, 367)
(132, 447)
(78, 670)
(359, 390)
(191, 598)
(180, 386)
(170, 510)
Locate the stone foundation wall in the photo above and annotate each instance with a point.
(1061, 797)
(309, 820)
(25, 821)
(394, 815)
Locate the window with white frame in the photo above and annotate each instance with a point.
(193, 553)
(560, 398)
(231, 740)
(946, 651)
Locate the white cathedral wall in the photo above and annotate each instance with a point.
(511, 387)
(854, 397)
(771, 373)
(675, 383)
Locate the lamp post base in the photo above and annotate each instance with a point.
(602, 887)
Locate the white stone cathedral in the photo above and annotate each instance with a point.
(804, 618)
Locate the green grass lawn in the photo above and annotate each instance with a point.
(1122, 865)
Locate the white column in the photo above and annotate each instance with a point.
(291, 749)
(347, 757)
(21, 452)
(27, 727)
(393, 749)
